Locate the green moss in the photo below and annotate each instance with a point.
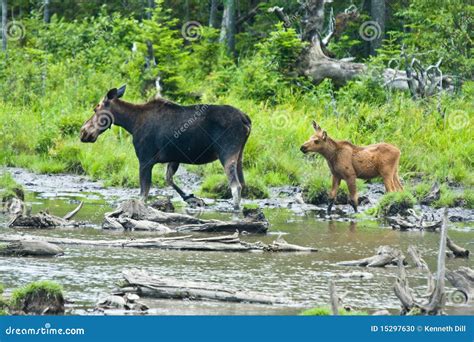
(325, 311)
(316, 190)
(420, 190)
(394, 202)
(216, 186)
(9, 188)
(46, 287)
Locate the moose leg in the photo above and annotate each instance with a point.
(333, 193)
(240, 172)
(145, 180)
(230, 167)
(351, 184)
(190, 199)
(396, 181)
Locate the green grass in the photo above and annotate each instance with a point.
(43, 287)
(393, 202)
(216, 186)
(325, 311)
(42, 116)
(9, 188)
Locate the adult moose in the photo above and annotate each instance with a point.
(347, 161)
(165, 132)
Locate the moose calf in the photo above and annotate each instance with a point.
(349, 162)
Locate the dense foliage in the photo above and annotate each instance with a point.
(52, 77)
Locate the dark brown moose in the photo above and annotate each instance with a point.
(165, 132)
(347, 161)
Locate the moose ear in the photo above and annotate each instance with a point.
(315, 126)
(325, 135)
(112, 94)
(121, 91)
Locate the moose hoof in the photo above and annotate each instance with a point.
(194, 202)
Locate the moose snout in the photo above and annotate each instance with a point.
(303, 149)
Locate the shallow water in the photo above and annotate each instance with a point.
(88, 274)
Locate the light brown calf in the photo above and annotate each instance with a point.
(349, 162)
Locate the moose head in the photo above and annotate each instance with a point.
(317, 142)
(103, 117)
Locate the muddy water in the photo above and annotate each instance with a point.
(88, 274)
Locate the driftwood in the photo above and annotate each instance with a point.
(147, 285)
(318, 63)
(227, 243)
(421, 263)
(333, 298)
(463, 280)
(44, 220)
(458, 251)
(433, 195)
(437, 298)
(135, 215)
(414, 221)
(386, 255)
(30, 248)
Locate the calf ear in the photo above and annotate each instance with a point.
(112, 94)
(121, 91)
(315, 126)
(325, 135)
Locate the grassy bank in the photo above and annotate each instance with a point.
(44, 100)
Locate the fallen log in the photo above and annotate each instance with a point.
(228, 243)
(135, 215)
(414, 221)
(458, 251)
(30, 248)
(147, 285)
(386, 255)
(44, 220)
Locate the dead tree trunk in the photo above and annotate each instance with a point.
(4, 25)
(317, 63)
(47, 16)
(228, 26)
(147, 285)
(213, 14)
(377, 11)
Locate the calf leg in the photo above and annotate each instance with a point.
(230, 167)
(145, 180)
(333, 193)
(396, 181)
(353, 200)
(388, 182)
(170, 171)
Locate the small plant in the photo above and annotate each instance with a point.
(9, 188)
(395, 202)
(40, 297)
(325, 311)
(3, 302)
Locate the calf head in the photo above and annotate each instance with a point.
(103, 117)
(317, 142)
